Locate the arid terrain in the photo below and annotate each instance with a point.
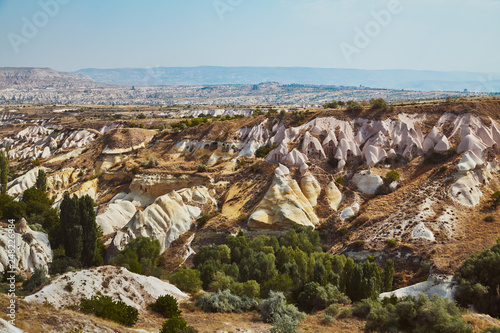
(324, 168)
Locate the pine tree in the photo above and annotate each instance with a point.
(41, 180)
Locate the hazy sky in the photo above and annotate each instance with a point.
(443, 35)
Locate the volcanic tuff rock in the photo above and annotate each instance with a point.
(135, 290)
(283, 206)
(166, 219)
(31, 251)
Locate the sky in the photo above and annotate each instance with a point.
(67, 35)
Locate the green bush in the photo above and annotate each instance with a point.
(104, 307)
(495, 199)
(224, 301)
(202, 168)
(263, 151)
(340, 181)
(327, 319)
(332, 310)
(167, 306)
(492, 330)
(392, 176)
(331, 105)
(275, 307)
(354, 106)
(413, 314)
(378, 103)
(186, 279)
(63, 264)
(135, 170)
(478, 281)
(139, 256)
(38, 278)
(392, 242)
(176, 325)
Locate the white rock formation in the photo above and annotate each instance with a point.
(166, 219)
(373, 155)
(333, 195)
(116, 216)
(30, 254)
(349, 211)
(466, 190)
(283, 206)
(133, 289)
(469, 162)
(433, 286)
(311, 147)
(367, 182)
(311, 188)
(6, 327)
(422, 232)
(24, 182)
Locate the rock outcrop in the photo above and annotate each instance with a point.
(133, 289)
(32, 248)
(283, 206)
(168, 217)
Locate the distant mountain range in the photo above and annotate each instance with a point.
(31, 77)
(209, 75)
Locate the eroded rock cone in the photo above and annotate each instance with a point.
(22, 227)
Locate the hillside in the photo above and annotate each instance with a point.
(208, 75)
(410, 183)
(42, 78)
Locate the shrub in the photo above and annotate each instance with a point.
(176, 325)
(492, 330)
(333, 162)
(224, 301)
(340, 180)
(392, 242)
(331, 105)
(135, 170)
(275, 308)
(186, 279)
(489, 218)
(354, 106)
(167, 306)
(152, 162)
(262, 151)
(332, 310)
(478, 282)
(413, 314)
(28, 237)
(392, 176)
(495, 199)
(104, 307)
(139, 256)
(63, 264)
(38, 278)
(202, 168)
(344, 314)
(378, 103)
(327, 320)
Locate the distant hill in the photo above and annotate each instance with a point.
(28, 77)
(208, 75)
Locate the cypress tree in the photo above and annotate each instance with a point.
(41, 181)
(388, 275)
(70, 226)
(4, 171)
(89, 230)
